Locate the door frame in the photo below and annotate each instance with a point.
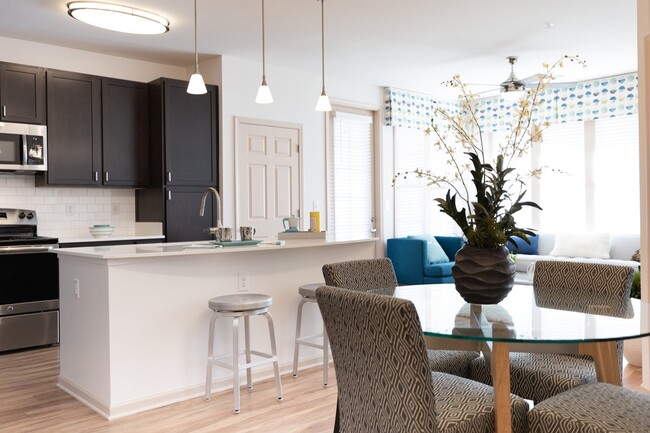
(271, 123)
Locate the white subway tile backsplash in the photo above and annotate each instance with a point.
(68, 212)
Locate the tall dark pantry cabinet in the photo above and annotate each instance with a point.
(184, 160)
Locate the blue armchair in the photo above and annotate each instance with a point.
(412, 261)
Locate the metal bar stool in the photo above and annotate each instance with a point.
(308, 293)
(237, 306)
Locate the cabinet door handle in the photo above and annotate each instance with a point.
(169, 176)
(4, 110)
(96, 176)
(169, 195)
(106, 176)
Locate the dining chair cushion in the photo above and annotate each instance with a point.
(384, 381)
(538, 376)
(456, 362)
(593, 408)
(464, 405)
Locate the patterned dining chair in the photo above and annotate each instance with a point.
(593, 408)
(384, 381)
(586, 287)
(373, 274)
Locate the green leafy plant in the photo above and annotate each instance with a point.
(483, 195)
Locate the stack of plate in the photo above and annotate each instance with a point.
(101, 230)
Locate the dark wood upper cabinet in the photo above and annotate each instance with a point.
(22, 93)
(73, 129)
(186, 131)
(125, 133)
(97, 131)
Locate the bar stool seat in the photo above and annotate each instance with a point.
(237, 306)
(308, 293)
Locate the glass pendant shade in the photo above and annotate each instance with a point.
(197, 85)
(264, 94)
(118, 18)
(323, 103)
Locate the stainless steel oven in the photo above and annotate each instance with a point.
(29, 283)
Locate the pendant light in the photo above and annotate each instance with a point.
(263, 93)
(196, 85)
(323, 103)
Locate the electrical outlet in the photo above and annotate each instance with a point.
(244, 282)
(115, 209)
(76, 288)
(69, 210)
(315, 206)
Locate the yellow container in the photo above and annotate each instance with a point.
(314, 221)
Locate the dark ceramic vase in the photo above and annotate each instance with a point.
(483, 275)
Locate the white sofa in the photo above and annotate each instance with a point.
(621, 249)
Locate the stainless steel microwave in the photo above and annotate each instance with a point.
(23, 147)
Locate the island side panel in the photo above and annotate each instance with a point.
(84, 348)
(159, 315)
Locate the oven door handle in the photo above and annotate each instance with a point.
(26, 249)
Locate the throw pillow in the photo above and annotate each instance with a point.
(520, 246)
(435, 253)
(588, 245)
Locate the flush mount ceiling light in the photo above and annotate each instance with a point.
(196, 85)
(323, 103)
(263, 93)
(119, 18)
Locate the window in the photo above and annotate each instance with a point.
(416, 211)
(350, 192)
(589, 182)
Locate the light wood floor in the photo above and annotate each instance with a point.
(31, 402)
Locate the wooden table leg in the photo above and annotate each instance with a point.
(500, 366)
(605, 356)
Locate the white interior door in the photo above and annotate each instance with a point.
(268, 175)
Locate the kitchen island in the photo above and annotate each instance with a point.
(134, 318)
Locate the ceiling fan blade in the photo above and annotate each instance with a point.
(532, 79)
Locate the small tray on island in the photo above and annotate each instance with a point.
(238, 243)
(301, 235)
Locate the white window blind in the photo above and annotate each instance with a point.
(562, 185)
(616, 175)
(416, 211)
(589, 182)
(350, 175)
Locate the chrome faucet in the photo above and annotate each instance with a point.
(204, 197)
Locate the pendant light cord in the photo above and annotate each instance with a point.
(196, 49)
(322, 41)
(263, 49)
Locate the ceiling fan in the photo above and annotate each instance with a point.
(513, 88)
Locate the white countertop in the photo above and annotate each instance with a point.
(109, 239)
(189, 248)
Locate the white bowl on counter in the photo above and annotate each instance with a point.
(101, 231)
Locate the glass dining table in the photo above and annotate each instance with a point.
(526, 317)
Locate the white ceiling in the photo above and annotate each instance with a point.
(410, 44)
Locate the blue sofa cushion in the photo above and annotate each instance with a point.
(438, 269)
(435, 253)
(524, 248)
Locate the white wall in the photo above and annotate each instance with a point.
(294, 92)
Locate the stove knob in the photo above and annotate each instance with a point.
(21, 215)
(30, 216)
